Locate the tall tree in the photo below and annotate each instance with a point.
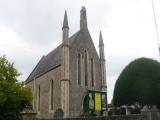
(138, 82)
(14, 96)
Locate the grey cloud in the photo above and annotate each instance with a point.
(31, 18)
(40, 21)
(115, 64)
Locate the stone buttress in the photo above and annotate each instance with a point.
(65, 81)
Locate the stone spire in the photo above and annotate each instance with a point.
(102, 62)
(83, 18)
(65, 27)
(101, 47)
(65, 80)
(65, 21)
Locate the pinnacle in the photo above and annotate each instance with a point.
(65, 22)
(100, 39)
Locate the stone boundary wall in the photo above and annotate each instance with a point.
(116, 117)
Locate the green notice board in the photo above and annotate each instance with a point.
(95, 101)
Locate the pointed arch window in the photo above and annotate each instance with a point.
(52, 84)
(79, 68)
(92, 72)
(39, 97)
(86, 68)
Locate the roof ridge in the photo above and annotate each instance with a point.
(53, 50)
(49, 61)
(27, 80)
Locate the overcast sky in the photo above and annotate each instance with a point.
(30, 29)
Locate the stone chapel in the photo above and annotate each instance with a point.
(61, 78)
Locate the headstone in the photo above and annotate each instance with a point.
(28, 113)
(152, 114)
(59, 113)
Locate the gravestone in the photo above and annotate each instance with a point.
(28, 114)
(152, 114)
(59, 113)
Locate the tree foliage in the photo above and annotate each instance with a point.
(14, 96)
(139, 83)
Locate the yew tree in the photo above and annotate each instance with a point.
(139, 83)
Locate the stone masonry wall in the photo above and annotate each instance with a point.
(77, 92)
(45, 81)
(128, 117)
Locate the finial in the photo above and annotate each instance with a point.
(83, 12)
(83, 18)
(65, 22)
(83, 8)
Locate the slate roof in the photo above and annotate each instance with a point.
(50, 61)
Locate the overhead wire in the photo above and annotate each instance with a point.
(156, 27)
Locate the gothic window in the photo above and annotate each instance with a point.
(92, 72)
(34, 93)
(39, 97)
(51, 94)
(86, 68)
(79, 68)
